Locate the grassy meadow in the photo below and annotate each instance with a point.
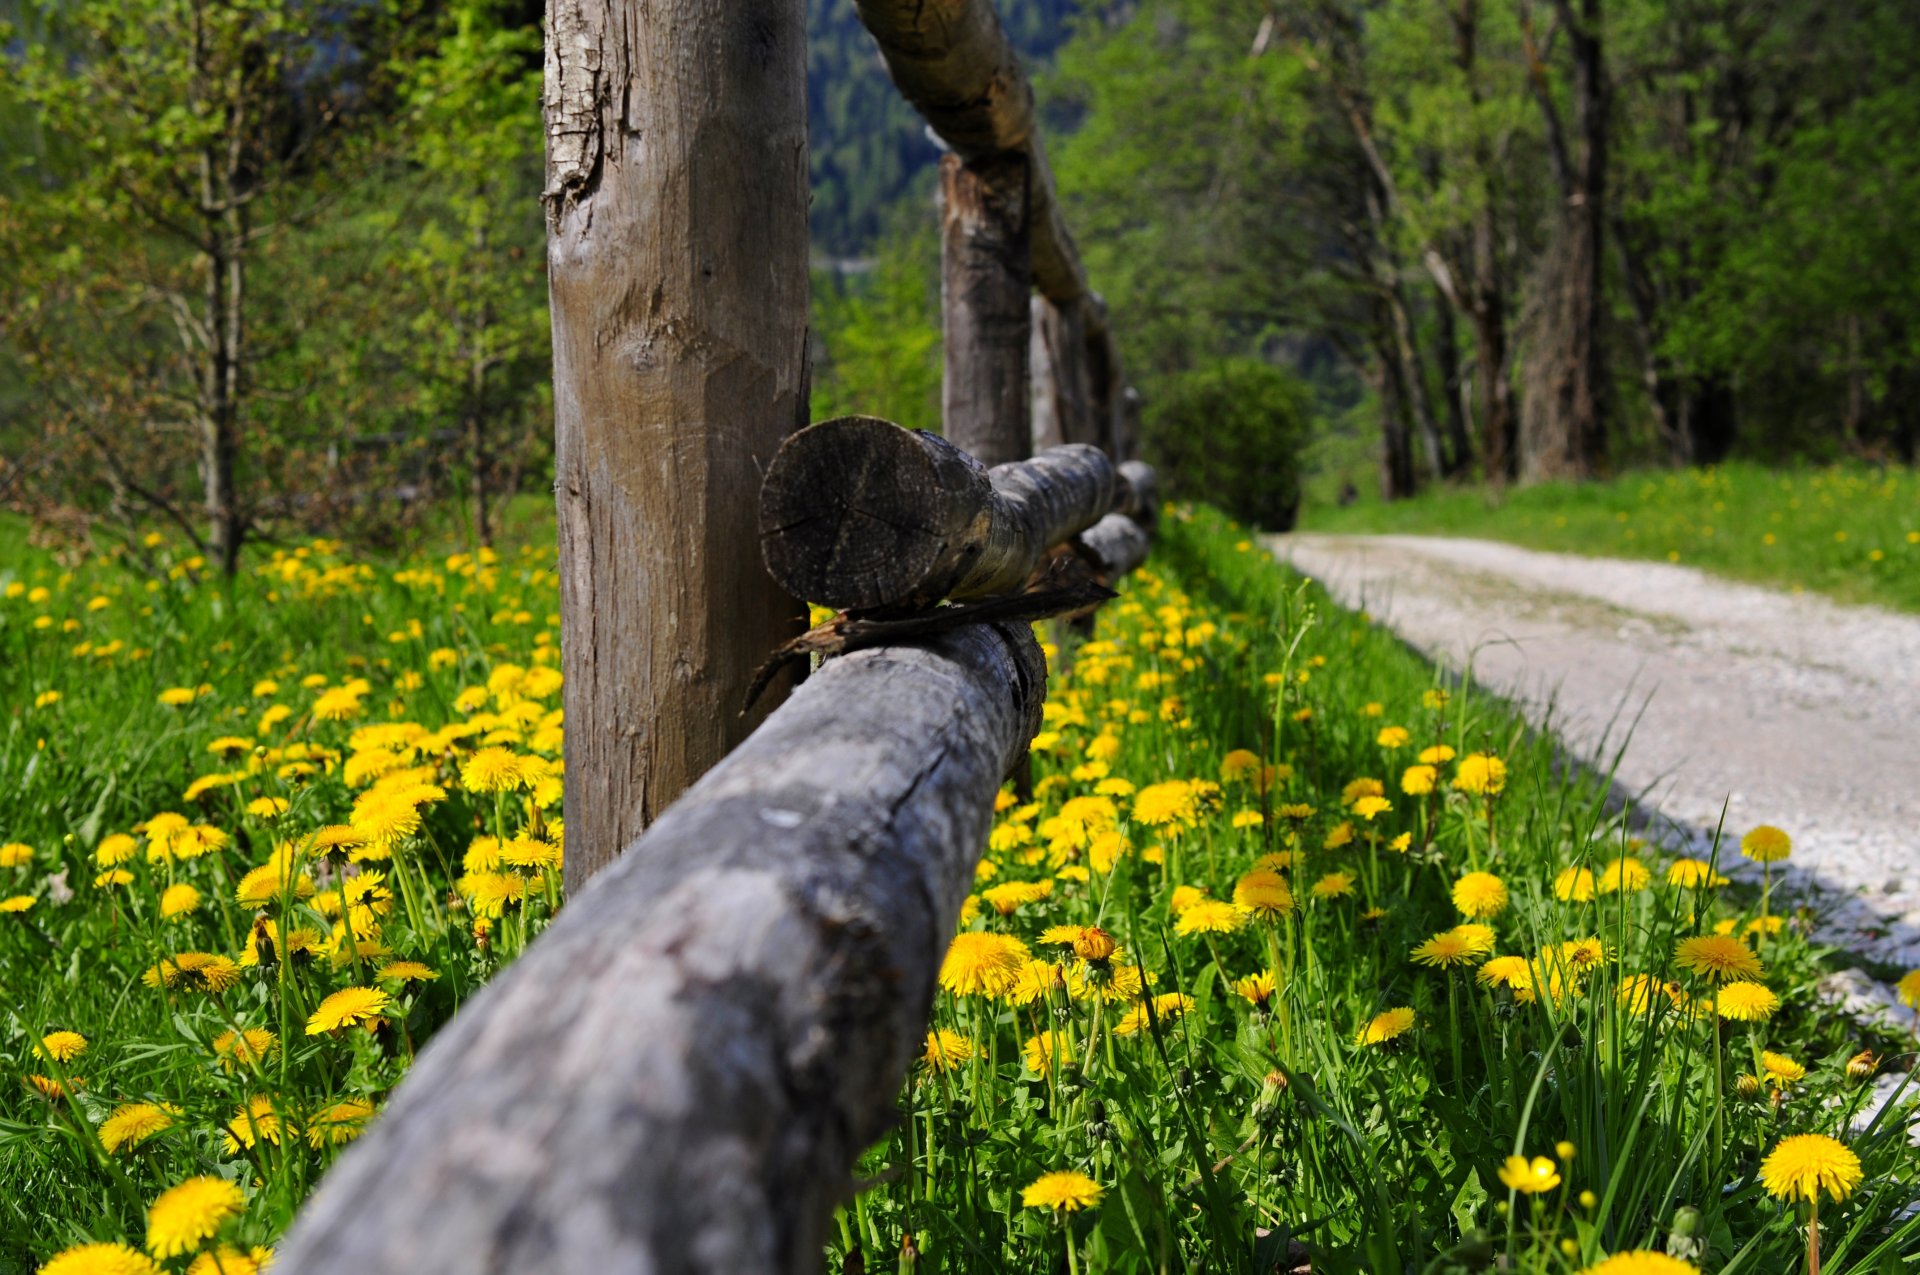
(1850, 532)
(1290, 943)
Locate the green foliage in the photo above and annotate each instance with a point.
(1235, 430)
(877, 332)
(1849, 531)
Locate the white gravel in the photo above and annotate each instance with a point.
(1789, 709)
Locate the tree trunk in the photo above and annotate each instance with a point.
(1453, 387)
(858, 512)
(986, 278)
(677, 244)
(226, 225)
(1062, 394)
(1396, 446)
(1564, 422)
(680, 1073)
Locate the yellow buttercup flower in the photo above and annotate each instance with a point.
(1530, 1177)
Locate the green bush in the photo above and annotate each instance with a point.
(1231, 433)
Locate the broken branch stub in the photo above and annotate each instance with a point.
(858, 512)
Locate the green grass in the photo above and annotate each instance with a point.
(1215, 1124)
(1849, 532)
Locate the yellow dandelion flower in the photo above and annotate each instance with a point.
(1364, 786)
(1530, 1177)
(1643, 994)
(1717, 957)
(1386, 1026)
(1064, 1192)
(190, 1214)
(1746, 1002)
(17, 903)
(1005, 899)
(1047, 1050)
(1256, 988)
(1515, 973)
(267, 807)
(1238, 764)
(264, 885)
(254, 1123)
(1642, 1261)
(337, 705)
(1334, 885)
(1418, 781)
(15, 855)
(100, 1259)
(1438, 755)
(340, 1123)
(1781, 1070)
(946, 1050)
(1211, 916)
(1368, 807)
(133, 1124)
(493, 770)
(194, 971)
(244, 1048)
(62, 1046)
(1481, 774)
(1909, 989)
(406, 972)
(979, 964)
(1445, 950)
(348, 1007)
(1264, 893)
(227, 1260)
(115, 850)
(178, 900)
(1169, 803)
(178, 696)
(489, 893)
(1480, 894)
(1766, 844)
(1392, 737)
(1184, 897)
(1624, 874)
(1804, 1165)
(1691, 874)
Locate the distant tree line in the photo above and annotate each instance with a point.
(1539, 238)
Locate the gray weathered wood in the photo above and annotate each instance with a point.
(1062, 395)
(858, 512)
(677, 248)
(953, 61)
(1141, 498)
(1116, 544)
(678, 1075)
(986, 276)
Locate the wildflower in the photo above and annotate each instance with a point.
(1334, 885)
(1171, 802)
(1004, 899)
(1642, 1261)
(1511, 972)
(1640, 994)
(190, 1214)
(1341, 835)
(1438, 755)
(267, 807)
(1481, 774)
(17, 903)
(1256, 988)
(406, 972)
(195, 971)
(1064, 1192)
(1263, 892)
(1530, 1177)
(1862, 1066)
(1909, 989)
(337, 705)
(1781, 1070)
(1626, 873)
(1802, 1166)
(1746, 1002)
(62, 1046)
(177, 696)
(348, 1007)
(133, 1124)
(1691, 874)
(1445, 950)
(265, 884)
(946, 1050)
(1418, 781)
(493, 770)
(1237, 764)
(1480, 894)
(1047, 1050)
(114, 850)
(100, 1259)
(1248, 818)
(1384, 1027)
(1211, 916)
(249, 1046)
(342, 1122)
(178, 900)
(1361, 787)
(489, 893)
(256, 1122)
(15, 855)
(982, 964)
(1574, 885)
(1766, 844)
(1368, 807)
(227, 1260)
(1392, 737)
(1717, 957)
(1094, 944)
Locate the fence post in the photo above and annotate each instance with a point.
(1063, 409)
(677, 247)
(986, 275)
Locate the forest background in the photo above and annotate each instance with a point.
(272, 269)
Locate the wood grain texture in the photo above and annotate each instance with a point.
(677, 246)
(986, 276)
(858, 512)
(678, 1075)
(953, 61)
(1140, 500)
(1063, 408)
(1116, 545)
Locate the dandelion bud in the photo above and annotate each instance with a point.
(1570, 1248)
(1564, 1150)
(1094, 944)
(1589, 1201)
(1687, 1239)
(1862, 1066)
(1748, 1088)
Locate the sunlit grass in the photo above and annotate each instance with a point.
(1849, 531)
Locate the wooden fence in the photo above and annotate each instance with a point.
(679, 1073)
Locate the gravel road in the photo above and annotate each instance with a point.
(1790, 709)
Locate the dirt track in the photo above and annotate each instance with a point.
(1791, 709)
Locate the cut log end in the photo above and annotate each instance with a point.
(856, 511)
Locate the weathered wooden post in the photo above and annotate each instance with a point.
(1063, 409)
(677, 244)
(986, 275)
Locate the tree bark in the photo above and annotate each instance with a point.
(677, 242)
(1453, 387)
(858, 512)
(679, 1074)
(986, 277)
(1062, 390)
